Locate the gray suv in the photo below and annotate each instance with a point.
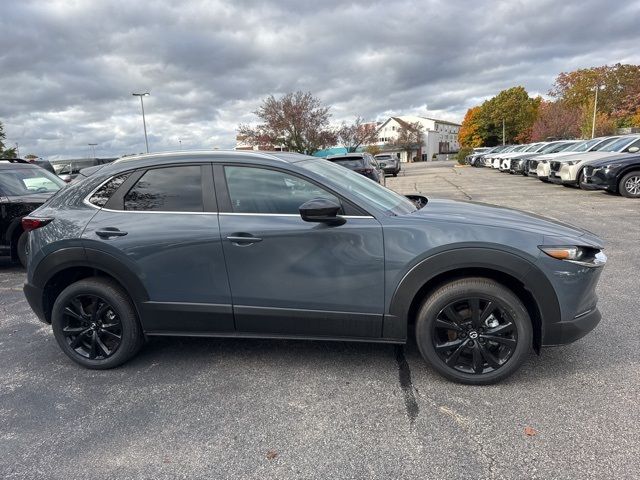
(282, 245)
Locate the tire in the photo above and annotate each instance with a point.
(629, 186)
(116, 314)
(508, 322)
(395, 174)
(21, 248)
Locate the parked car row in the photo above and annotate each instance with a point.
(606, 163)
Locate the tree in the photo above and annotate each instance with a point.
(556, 120)
(373, 149)
(351, 136)
(297, 121)
(618, 97)
(409, 138)
(470, 134)
(9, 152)
(516, 109)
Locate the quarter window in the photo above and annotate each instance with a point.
(170, 189)
(258, 190)
(103, 194)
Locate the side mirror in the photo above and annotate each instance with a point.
(321, 210)
(418, 200)
(634, 150)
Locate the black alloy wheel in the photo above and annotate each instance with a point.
(95, 323)
(474, 331)
(91, 327)
(474, 335)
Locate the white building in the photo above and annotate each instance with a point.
(438, 136)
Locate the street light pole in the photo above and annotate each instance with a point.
(595, 107)
(144, 122)
(503, 131)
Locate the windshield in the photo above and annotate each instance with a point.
(533, 148)
(577, 147)
(25, 181)
(556, 147)
(618, 145)
(361, 187)
(605, 144)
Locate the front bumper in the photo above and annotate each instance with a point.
(568, 331)
(599, 178)
(35, 297)
(542, 171)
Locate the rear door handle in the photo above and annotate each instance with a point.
(243, 240)
(110, 232)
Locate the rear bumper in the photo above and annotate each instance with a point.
(34, 297)
(564, 332)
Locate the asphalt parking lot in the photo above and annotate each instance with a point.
(226, 408)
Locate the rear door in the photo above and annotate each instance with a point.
(291, 277)
(162, 224)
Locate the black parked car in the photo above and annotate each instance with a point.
(390, 164)
(282, 245)
(363, 163)
(23, 188)
(618, 174)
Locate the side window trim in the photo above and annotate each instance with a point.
(116, 202)
(224, 199)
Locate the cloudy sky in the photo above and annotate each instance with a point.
(68, 67)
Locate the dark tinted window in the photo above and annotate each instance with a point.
(349, 162)
(103, 194)
(171, 189)
(258, 190)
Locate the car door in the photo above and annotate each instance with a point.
(161, 224)
(291, 277)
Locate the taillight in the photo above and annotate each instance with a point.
(33, 223)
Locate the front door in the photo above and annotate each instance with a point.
(293, 277)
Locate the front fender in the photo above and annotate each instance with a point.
(534, 281)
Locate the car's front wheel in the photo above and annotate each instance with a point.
(95, 324)
(630, 185)
(474, 331)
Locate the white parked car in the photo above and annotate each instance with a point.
(568, 170)
(496, 159)
(505, 161)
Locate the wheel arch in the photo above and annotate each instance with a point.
(63, 267)
(514, 272)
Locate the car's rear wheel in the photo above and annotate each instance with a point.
(474, 331)
(95, 324)
(630, 185)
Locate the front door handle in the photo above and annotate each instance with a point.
(110, 232)
(240, 239)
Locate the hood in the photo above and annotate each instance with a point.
(616, 159)
(474, 213)
(585, 156)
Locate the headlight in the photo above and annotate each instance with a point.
(586, 256)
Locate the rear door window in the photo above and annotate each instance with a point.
(169, 189)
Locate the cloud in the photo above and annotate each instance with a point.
(68, 68)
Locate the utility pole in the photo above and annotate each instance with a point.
(595, 107)
(144, 122)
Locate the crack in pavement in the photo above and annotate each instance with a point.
(404, 374)
(457, 187)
